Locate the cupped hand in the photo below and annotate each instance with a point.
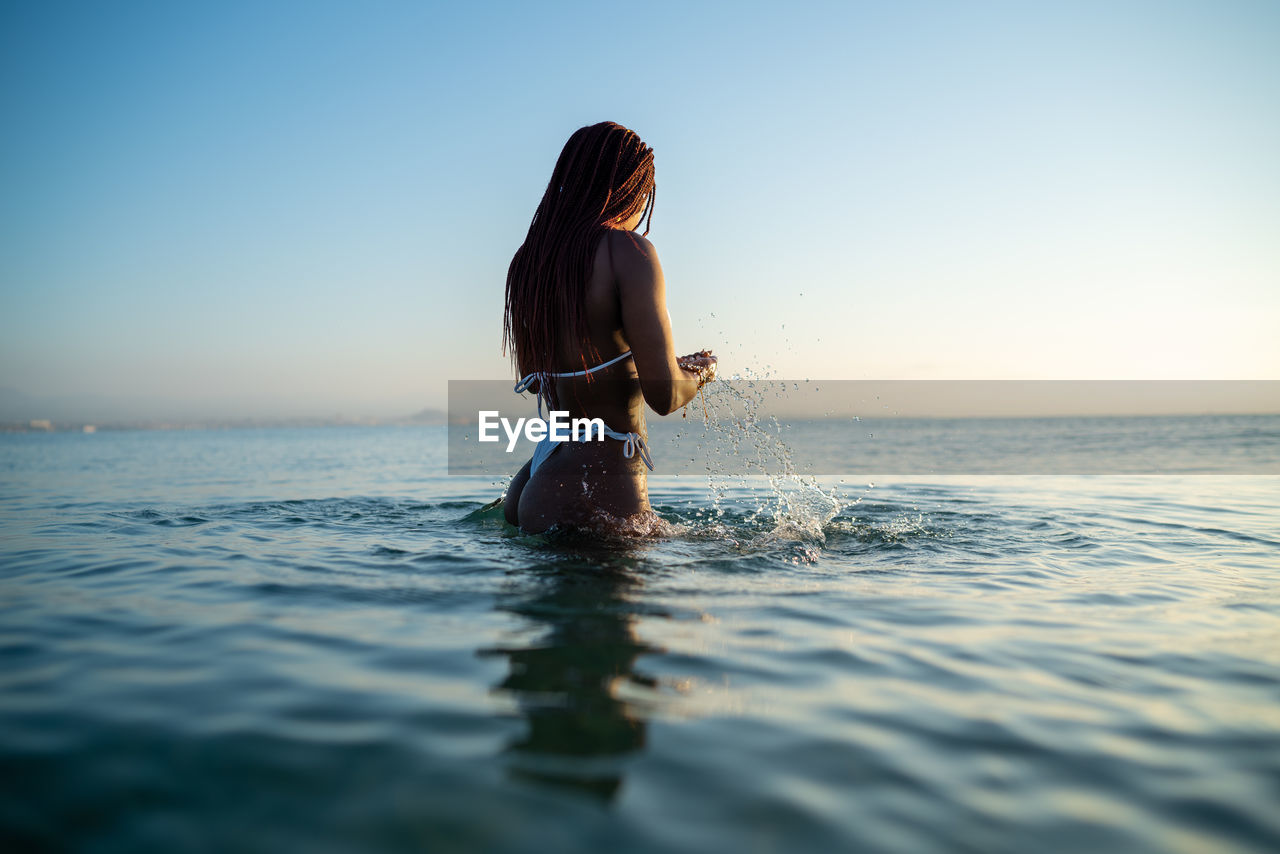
(701, 363)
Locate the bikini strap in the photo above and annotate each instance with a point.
(543, 377)
(527, 381)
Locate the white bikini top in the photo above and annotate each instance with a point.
(540, 377)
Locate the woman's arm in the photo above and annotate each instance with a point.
(647, 325)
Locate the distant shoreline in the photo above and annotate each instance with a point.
(40, 425)
(439, 418)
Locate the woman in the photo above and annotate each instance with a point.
(588, 329)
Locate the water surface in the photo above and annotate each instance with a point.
(314, 640)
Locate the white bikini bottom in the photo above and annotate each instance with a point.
(633, 443)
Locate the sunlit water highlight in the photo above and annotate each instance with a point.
(313, 640)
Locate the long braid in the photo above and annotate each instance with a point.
(604, 175)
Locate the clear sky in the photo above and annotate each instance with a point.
(284, 208)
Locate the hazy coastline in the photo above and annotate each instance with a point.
(47, 425)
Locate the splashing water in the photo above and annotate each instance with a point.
(749, 449)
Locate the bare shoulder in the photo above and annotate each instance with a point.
(635, 259)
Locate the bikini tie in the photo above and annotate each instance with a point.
(526, 382)
(635, 442)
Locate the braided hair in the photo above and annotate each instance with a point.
(604, 176)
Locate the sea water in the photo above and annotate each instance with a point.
(315, 640)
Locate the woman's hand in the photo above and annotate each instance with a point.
(701, 363)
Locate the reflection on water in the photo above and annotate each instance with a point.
(565, 679)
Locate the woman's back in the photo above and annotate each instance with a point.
(612, 394)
